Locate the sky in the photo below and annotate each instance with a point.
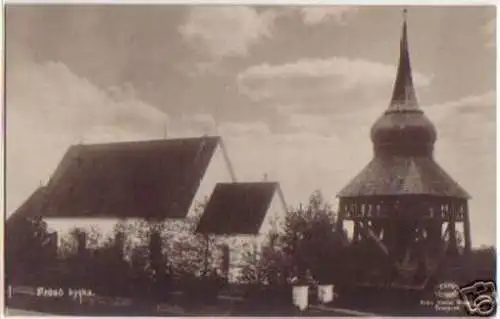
(293, 91)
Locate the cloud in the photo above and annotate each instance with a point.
(49, 108)
(51, 94)
(212, 67)
(202, 118)
(323, 125)
(238, 130)
(481, 105)
(466, 148)
(226, 31)
(232, 30)
(320, 14)
(467, 125)
(336, 84)
(204, 123)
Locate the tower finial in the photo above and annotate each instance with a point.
(404, 96)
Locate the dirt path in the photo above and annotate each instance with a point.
(20, 312)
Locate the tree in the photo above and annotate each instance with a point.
(29, 250)
(479, 264)
(307, 243)
(310, 240)
(91, 239)
(189, 253)
(110, 272)
(267, 265)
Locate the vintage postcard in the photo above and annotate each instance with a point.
(250, 160)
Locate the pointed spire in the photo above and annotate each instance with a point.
(403, 96)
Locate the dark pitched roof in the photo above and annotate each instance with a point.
(237, 208)
(146, 179)
(402, 176)
(30, 208)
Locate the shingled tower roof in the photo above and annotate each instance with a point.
(403, 141)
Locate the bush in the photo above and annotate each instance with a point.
(203, 289)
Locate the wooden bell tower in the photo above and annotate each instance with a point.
(408, 214)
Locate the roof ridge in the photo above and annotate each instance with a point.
(250, 183)
(159, 140)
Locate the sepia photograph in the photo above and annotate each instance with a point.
(249, 160)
